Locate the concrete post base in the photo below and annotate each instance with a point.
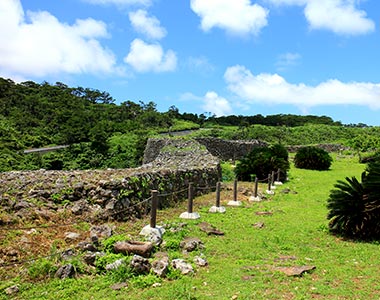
(234, 203)
(270, 192)
(216, 209)
(278, 183)
(255, 199)
(147, 231)
(189, 216)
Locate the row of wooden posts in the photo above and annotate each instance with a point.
(155, 195)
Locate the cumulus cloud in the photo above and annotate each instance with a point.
(238, 17)
(149, 26)
(216, 104)
(37, 44)
(144, 57)
(120, 2)
(339, 16)
(274, 89)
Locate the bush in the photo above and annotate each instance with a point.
(262, 161)
(354, 207)
(312, 158)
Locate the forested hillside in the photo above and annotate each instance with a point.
(102, 134)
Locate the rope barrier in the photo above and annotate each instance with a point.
(22, 262)
(120, 211)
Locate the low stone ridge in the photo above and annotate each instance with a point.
(326, 147)
(113, 193)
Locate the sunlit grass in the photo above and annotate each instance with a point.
(242, 262)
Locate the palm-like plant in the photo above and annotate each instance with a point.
(354, 207)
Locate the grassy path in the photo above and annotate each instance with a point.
(242, 262)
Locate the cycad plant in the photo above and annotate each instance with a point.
(354, 207)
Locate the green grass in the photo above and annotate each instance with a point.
(242, 262)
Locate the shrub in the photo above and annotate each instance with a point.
(354, 207)
(312, 158)
(262, 161)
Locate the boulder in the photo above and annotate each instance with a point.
(66, 271)
(140, 265)
(181, 265)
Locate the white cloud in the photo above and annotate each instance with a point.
(39, 45)
(145, 57)
(339, 16)
(274, 89)
(287, 60)
(120, 2)
(238, 17)
(216, 105)
(149, 26)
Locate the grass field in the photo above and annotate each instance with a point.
(243, 263)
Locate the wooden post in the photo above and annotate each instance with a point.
(269, 182)
(256, 187)
(218, 194)
(153, 214)
(278, 174)
(272, 178)
(235, 190)
(190, 199)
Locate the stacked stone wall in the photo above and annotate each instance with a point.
(222, 149)
(111, 194)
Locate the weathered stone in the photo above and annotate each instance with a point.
(22, 204)
(140, 265)
(14, 289)
(90, 257)
(102, 231)
(67, 254)
(200, 261)
(263, 213)
(209, 229)
(160, 267)
(115, 265)
(134, 247)
(259, 225)
(71, 236)
(66, 271)
(295, 271)
(190, 244)
(119, 286)
(80, 207)
(181, 265)
(87, 246)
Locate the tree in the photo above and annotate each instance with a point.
(261, 161)
(312, 158)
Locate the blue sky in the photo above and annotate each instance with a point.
(222, 57)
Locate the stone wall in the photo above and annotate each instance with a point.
(111, 194)
(230, 149)
(223, 149)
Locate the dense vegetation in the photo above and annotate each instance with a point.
(312, 158)
(262, 161)
(102, 134)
